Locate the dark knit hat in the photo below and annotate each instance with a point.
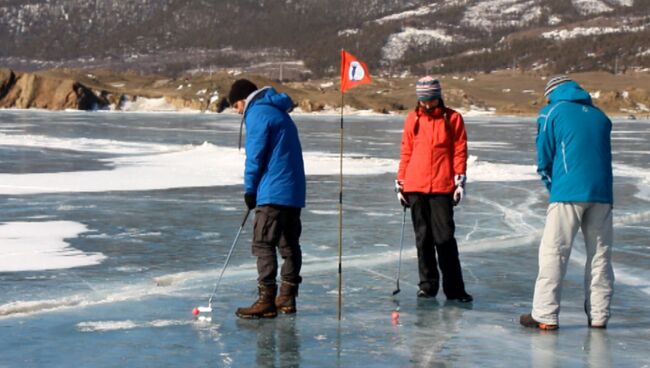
(554, 82)
(240, 89)
(428, 88)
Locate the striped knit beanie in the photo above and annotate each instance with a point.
(428, 88)
(554, 82)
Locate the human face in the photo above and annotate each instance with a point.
(239, 106)
(429, 104)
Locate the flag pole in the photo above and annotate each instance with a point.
(340, 274)
(353, 73)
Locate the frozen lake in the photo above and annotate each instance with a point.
(113, 226)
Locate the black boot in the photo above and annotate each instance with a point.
(463, 298)
(264, 306)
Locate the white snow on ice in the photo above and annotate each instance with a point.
(85, 144)
(191, 166)
(143, 104)
(102, 326)
(200, 166)
(35, 246)
(158, 166)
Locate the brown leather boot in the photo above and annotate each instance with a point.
(264, 306)
(286, 301)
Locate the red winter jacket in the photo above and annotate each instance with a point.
(434, 149)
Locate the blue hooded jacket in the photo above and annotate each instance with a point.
(274, 167)
(574, 155)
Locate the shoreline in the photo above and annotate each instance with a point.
(497, 93)
(325, 113)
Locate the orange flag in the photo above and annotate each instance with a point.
(353, 72)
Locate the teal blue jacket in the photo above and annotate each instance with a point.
(574, 154)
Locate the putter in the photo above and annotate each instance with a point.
(208, 308)
(401, 246)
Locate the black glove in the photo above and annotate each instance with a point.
(251, 200)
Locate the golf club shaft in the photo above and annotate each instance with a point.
(232, 247)
(401, 246)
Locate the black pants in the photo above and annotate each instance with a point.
(277, 226)
(433, 222)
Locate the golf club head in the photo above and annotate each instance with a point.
(396, 291)
(204, 309)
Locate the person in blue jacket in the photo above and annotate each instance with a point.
(574, 159)
(274, 186)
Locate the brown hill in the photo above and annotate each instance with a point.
(501, 92)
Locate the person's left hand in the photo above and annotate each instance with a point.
(459, 192)
(251, 200)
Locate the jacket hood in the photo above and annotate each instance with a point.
(269, 96)
(570, 91)
(265, 96)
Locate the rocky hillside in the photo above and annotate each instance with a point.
(33, 90)
(299, 39)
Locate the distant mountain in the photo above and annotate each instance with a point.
(300, 38)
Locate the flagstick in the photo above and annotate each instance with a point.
(338, 310)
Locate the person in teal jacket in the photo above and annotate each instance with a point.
(274, 186)
(574, 159)
(574, 154)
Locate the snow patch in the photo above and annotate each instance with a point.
(86, 144)
(399, 43)
(565, 34)
(189, 166)
(642, 107)
(423, 10)
(103, 326)
(348, 32)
(148, 104)
(36, 246)
(644, 53)
(554, 20)
(589, 7)
(487, 171)
(494, 14)
(175, 166)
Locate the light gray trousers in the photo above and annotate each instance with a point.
(562, 223)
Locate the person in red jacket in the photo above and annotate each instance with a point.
(431, 181)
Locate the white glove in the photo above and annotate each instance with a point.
(399, 189)
(459, 192)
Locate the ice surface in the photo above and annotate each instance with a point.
(165, 227)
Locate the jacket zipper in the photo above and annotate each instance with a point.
(566, 168)
(432, 148)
